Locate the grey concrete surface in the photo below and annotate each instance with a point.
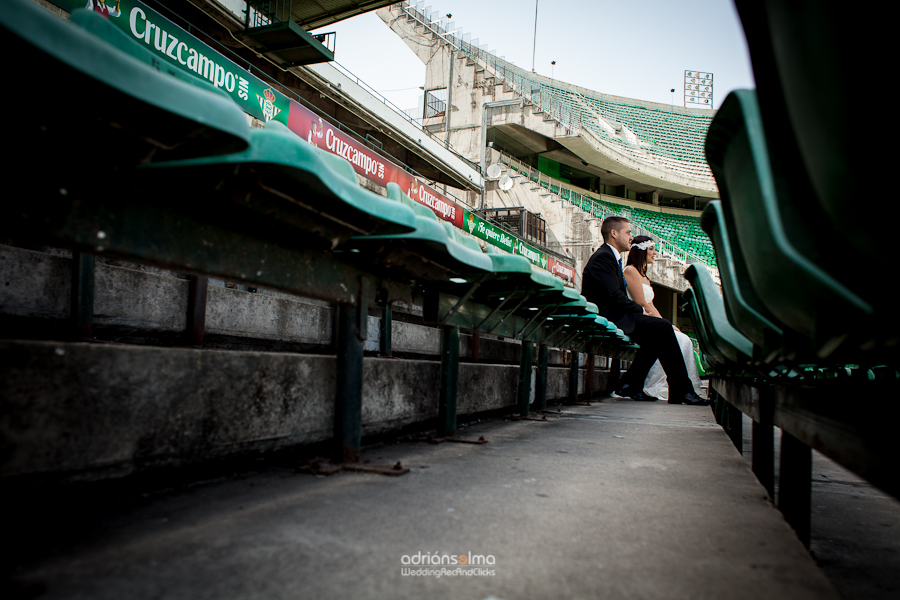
(615, 500)
(854, 528)
(105, 410)
(131, 298)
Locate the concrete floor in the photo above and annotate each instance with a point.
(614, 500)
(854, 528)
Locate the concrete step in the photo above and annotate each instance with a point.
(615, 500)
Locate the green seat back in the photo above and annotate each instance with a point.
(729, 341)
(794, 288)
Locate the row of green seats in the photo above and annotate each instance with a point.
(269, 180)
(149, 165)
(780, 292)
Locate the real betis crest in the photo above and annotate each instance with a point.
(543, 261)
(267, 104)
(471, 223)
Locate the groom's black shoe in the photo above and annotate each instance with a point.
(635, 393)
(690, 399)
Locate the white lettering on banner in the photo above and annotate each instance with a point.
(132, 20)
(356, 157)
(167, 44)
(172, 44)
(436, 204)
(205, 66)
(181, 46)
(494, 235)
(529, 253)
(160, 46)
(561, 269)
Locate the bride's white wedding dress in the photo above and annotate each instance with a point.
(655, 384)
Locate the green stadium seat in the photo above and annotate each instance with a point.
(708, 349)
(744, 310)
(429, 253)
(720, 333)
(289, 184)
(117, 111)
(795, 57)
(795, 289)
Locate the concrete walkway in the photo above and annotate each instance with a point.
(614, 500)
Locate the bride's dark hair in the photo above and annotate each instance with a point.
(638, 257)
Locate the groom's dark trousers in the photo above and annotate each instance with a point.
(603, 284)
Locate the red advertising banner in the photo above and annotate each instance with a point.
(374, 167)
(369, 164)
(560, 269)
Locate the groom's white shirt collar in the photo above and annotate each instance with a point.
(615, 252)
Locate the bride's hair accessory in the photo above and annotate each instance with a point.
(643, 245)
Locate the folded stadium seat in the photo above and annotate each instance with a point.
(730, 342)
(711, 351)
(117, 111)
(743, 308)
(798, 50)
(794, 57)
(300, 194)
(428, 253)
(775, 239)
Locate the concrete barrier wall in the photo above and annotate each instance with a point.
(97, 410)
(105, 410)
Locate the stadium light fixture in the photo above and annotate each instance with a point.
(534, 43)
(552, 64)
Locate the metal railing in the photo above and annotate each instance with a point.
(547, 98)
(416, 122)
(598, 209)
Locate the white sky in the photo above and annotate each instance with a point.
(632, 48)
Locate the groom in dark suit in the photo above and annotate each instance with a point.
(604, 285)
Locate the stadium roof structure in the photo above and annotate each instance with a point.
(312, 14)
(308, 14)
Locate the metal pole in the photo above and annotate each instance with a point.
(196, 313)
(573, 376)
(81, 311)
(764, 456)
(449, 100)
(589, 377)
(449, 393)
(525, 367)
(534, 44)
(795, 485)
(386, 322)
(540, 393)
(348, 392)
(735, 426)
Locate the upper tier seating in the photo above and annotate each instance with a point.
(682, 230)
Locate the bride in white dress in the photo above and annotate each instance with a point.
(641, 255)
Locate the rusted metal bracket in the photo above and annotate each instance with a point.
(321, 466)
(497, 308)
(431, 439)
(458, 440)
(518, 306)
(537, 315)
(521, 418)
(463, 299)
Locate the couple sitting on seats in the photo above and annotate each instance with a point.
(604, 284)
